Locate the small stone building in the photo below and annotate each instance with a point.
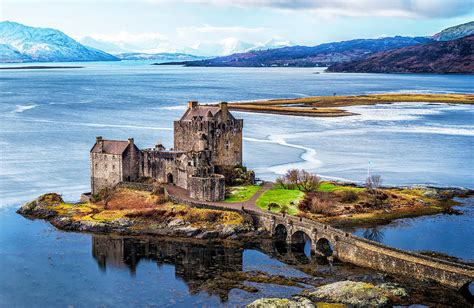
(207, 139)
(113, 162)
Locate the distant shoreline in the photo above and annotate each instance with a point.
(37, 67)
(330, 106)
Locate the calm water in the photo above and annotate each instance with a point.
(49, 120)
(450, 234)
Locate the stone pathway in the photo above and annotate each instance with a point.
(183, 194)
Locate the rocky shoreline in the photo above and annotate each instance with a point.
(51, 210)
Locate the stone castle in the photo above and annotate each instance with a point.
(207, 141)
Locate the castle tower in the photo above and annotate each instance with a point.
(210, 127)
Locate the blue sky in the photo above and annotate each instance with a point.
(187, 23)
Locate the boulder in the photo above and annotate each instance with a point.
(281, 303)
(229, 230)
(207, 235)
(357, 294)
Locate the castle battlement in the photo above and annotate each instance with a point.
(207, 139)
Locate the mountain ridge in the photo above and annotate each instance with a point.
(447, 57)
(455, 32)
(20, 43)
(304, 56)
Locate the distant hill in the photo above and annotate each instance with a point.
(302, 56)
(159, 57)
(456, 56)
(19, 43)
(455, 32)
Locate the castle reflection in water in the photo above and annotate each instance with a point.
(194, 262)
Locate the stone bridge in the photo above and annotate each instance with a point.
(346, 247)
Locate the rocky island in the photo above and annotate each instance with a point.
(200, 189)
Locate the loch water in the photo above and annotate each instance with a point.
(49, 120)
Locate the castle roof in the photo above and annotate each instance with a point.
(200, 112)
(110, 147)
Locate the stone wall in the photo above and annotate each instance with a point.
(175, 167)
(223, 138)
(106, 171)
(136, 185)
(359, 251)
(131, 163)
(210, 188)
(165, 167)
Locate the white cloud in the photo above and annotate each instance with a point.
(213, 29)
(130, 37)
(380, 8)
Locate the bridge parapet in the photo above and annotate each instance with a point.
(363, 252)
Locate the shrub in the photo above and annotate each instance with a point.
(159, 199)
(284, 208)
(348, 196)
(237, 175)
(211, 216)
(299, 179)
(317, 203)
(321, 206)
(103, 195)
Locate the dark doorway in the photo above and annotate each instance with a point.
(170, 178)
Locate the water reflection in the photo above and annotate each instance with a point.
(202, 266)
(194, 262)
(374, 234)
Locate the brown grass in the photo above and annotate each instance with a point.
(326, 105)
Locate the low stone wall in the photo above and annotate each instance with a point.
(135, 185)
(362, 252)
(200, 205)
(359, 251)
(208, 188)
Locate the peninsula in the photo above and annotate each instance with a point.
(333, 106)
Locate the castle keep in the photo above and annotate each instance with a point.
(207, 140)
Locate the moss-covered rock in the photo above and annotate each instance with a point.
(358, 294)
(281, 303)
(41, 207)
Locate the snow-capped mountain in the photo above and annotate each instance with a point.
(160, 57)
(20, 43)
(271, 44)
(233, 45)
(148, 43)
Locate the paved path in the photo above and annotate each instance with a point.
(249, 204)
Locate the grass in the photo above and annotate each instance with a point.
(280, 196)
(140, 205)
(242, 193)
(330, 187)
(325, 105)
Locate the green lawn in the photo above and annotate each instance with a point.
(282, 197)
(330, 187)
(242, 193)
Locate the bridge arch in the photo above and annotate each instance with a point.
(280, 232)
(324, 247)
(301, 242)
(467, 290)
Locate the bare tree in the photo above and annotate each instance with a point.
(299, 179)
(308, 181)
(373, 184)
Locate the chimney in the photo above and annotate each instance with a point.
(223, 106)
(192, 104)
(100, 143)
(130, 141)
